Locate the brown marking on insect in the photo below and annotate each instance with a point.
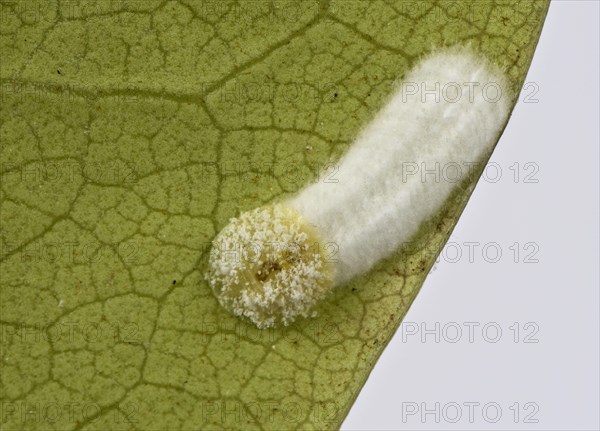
(266, 269)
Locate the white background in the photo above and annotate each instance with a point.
(558, 374)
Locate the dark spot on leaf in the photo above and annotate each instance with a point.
(174, 281)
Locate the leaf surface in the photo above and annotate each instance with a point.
(131, 131)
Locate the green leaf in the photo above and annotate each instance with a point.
(131, 132)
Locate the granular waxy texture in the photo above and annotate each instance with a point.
(374, 205)
(268, 265)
